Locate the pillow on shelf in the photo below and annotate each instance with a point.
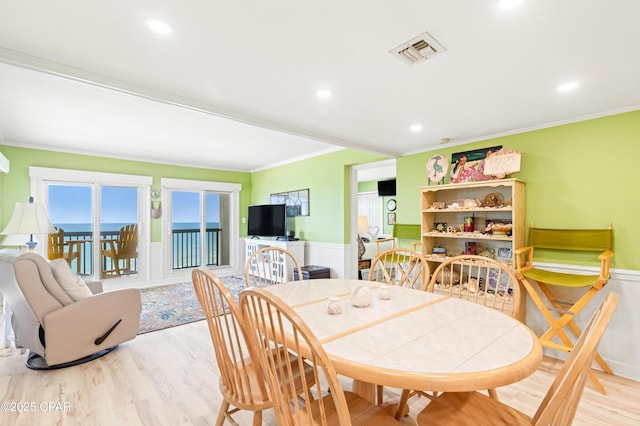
(71, 283)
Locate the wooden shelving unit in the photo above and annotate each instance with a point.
(457, 204)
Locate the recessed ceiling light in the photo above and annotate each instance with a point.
(323, 94)
(158, 26)
(509, 4)
(567, 87)
(415, 128)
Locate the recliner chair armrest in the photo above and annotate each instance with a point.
(71, 332)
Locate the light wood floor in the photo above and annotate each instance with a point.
(169, 377)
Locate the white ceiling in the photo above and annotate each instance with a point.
(234, 87)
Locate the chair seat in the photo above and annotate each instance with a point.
(361, 412)
(251, 393)
(470, 408)
(561, 278)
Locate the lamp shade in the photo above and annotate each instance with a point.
(363, 224)
(29, 218)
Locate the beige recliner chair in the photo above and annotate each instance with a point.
(57, 318)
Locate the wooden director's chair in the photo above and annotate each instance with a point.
(569, 240)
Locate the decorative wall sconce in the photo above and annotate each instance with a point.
(156, 209)
(156, 206)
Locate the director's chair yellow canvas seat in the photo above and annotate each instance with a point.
(561, 314)
(400, 232)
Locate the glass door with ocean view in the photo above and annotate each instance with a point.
(198, 221)
(108, 250)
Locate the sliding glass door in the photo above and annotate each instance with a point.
(199, 220)
(99, 225)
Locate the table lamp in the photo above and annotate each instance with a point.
(363, 226)
(29, 218)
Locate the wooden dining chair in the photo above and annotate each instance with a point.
(480, 280)
(477, 279)
(56, 249)
(124, 248)
(241, 380)
(275, 324)
(401, 267)
(271, 265)
(559, 311)
(559, 406)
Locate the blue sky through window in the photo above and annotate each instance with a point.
(186, 207)
(73, 204)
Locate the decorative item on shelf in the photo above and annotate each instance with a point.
(454, 206)
(439, 251)
(504, 253)
(502, 163)
(470, 203)
(451, 229)
(437, 205)
(440, 226)
(494, 199)
(468, 226)
(487, 252)
(437, 167)
(470, 247)
(498, 227)
(468, 166)
(29, 218)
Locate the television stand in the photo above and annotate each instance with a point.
(296, 248)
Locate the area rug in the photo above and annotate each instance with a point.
(176, 304)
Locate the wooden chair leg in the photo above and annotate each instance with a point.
(221, 414)
(493, 394)
(257, 418)
(403, 408)
(380, 393)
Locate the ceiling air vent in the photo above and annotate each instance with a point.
(417, 50)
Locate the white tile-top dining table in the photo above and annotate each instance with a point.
(414, 340)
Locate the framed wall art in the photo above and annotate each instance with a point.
(297, 202)
(391, 218)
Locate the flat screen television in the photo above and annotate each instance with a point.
(267, 220)
(387, 187)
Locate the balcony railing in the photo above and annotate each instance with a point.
(185, 254)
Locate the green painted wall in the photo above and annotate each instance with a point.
(579, 175)
(327, 177)
(369, 186)
(14, 186)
